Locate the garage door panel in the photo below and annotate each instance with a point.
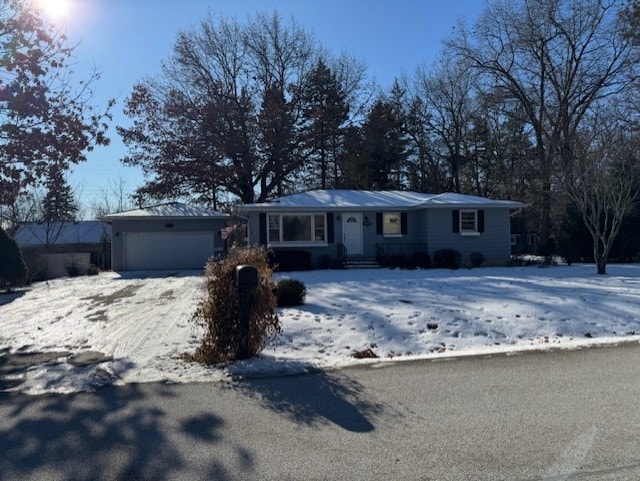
(167, 250)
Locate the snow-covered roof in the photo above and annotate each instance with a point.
(451, 199)
(368, 199)
(32, 234)
(171, 210)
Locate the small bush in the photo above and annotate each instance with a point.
(217, 313)
(290, 292)
(447, 259)
(290, 260)
(420, 260)
(93, 270)
(36, 265)
(73, 268)
(393, 261)
(324, 262)
(477, 258)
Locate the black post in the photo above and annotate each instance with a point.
(246, 282)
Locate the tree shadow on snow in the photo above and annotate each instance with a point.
(7, 297)
(112, 434)
(159, 274)
(315, 397)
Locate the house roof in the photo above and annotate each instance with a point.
(33, 234)
(171, 210)
(452, 199)
(368, 200)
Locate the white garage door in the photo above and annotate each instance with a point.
(167, 250)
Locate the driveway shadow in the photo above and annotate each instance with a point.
(112, 434)
(315, 397)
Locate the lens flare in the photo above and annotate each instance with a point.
(56, 10)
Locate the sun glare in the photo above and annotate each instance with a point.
(56, 10)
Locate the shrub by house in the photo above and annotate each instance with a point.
(290, 292)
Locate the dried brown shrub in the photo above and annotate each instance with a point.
(217, 313)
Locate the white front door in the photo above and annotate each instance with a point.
(352, 232)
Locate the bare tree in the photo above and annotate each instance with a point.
(222, 117)
(114, 197)
(26, 207)
(605, 183)
(556, 59)
(448, 95)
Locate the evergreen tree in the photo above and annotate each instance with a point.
(384, 146)
(58, 204)
(277, 146)
(324, 110)
(13, 271)
(354, 164)
(630, 15)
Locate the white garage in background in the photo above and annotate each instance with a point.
(165, 236)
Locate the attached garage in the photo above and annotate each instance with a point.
(167, 236)
(167, 250)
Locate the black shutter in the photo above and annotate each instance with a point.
(262, 221)
(403, 223)
(481, 221)
(379, 223)
(455, 221)
(330, 231)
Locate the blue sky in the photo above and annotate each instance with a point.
(128, 39)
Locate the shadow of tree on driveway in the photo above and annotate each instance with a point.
(120, 434)
(316, 396)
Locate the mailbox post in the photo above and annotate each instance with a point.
(246, 282)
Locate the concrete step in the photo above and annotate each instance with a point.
(361, 264)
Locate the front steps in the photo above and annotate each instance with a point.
(359, 263)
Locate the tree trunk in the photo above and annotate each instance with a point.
(599, 256)
(602, 266)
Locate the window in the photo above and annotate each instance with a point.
(469, 222)
(274, 228)
(319, 230)
(391, 223)
(297, 228)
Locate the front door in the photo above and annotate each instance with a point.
(352, 232)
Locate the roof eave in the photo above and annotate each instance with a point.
(110, 218)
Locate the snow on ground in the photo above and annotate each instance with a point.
(136, 327)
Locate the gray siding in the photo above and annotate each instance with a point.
(494, 243)
(415, 229)
(414, 233)
(315, 251)
(430, 226)
(120, 226)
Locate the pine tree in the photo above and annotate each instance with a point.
(384, 145)
(325, 110)
(58, 204)
(13, 271)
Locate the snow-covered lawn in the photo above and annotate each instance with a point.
(135, 328)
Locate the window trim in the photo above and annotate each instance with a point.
(282, 242)
(469, 232)
(392, 234)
